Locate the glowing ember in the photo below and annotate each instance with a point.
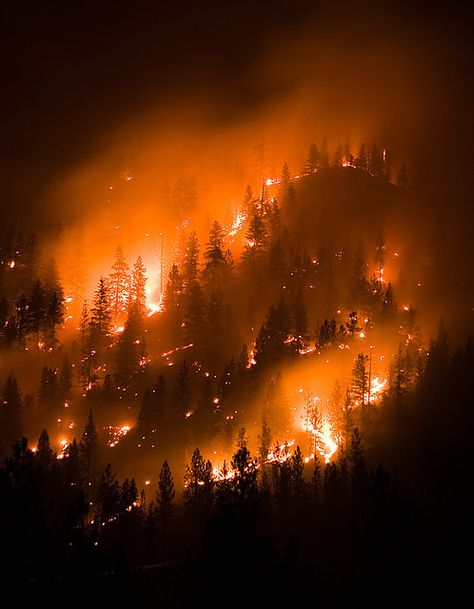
(116, 433)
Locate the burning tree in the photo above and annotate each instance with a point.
(119, 284)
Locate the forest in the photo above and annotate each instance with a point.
(258, 404)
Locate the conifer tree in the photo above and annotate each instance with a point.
(108, 497)
(360, 382)
(256, 241)
(165, 496)
(100, 318)
(119, 284)
(191, 259)
(138, 288)
(198, 486)
(216, 271)
(44, 452)
(37, 310)
(54, 317)
(130, 353)
(313, 160)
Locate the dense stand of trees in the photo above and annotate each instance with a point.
(342, 533)
(349, 530)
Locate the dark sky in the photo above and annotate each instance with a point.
(74, 72)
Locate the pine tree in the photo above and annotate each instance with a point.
(44, 453)
(21, 323)
(165, 496)
(336, 412)
(312, 162)
(191, 259)
(194, 320)
(107, 496)
(100, 318)
(173, 300)
(138, 290)
(357, 465)
(86, 347)
(248, 205)
(130, 354)
(360, 381)
(198, 486)
(54, 317)
(119, 283)
(256, 242)
(270, 345)
(128, 495)
(297, 476)
(48, 391)
(359, 294)
(244, 484)
(37, 311)
(216, 270)
(264, 442)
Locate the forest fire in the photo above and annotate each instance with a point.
(116, 433)
(235, 303)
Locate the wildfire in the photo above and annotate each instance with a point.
(377, 387)
(155, 307)
(116, 433)
(325, 444)
(237, 223)
(63, 444)
(280, 452)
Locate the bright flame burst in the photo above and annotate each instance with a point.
(116, 433)
(325, 444)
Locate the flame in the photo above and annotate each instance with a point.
(280, 452)
(116, 433)
(237, 223)
(327, 446)
(377, 387)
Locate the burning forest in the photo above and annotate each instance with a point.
(234, 333)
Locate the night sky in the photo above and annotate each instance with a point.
(73, 73)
